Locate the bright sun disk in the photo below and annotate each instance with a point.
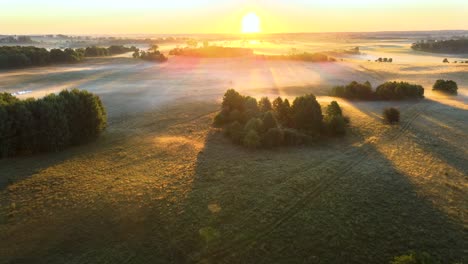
(250, 23)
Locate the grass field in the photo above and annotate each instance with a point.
(161, 185)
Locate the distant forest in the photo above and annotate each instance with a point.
(20, 56)
(442, 46)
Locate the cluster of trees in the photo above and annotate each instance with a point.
(211, 52)
(447, 61)
(17, 40)
(446, 86)
(95, 51)
(385, 91)
(153, 54)
(265, 124)
(390, 60)
(306, 56)
(442, 46)
(49, 124)
(22, 56)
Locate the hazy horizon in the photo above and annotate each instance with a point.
(225, 16)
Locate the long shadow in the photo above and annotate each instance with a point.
(333, 203)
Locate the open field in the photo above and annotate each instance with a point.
(162, 186)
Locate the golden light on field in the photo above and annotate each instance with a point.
(250, 23)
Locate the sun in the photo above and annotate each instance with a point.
(250, 23)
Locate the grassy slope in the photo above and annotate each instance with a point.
(164, 187)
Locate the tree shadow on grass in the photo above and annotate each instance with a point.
(333, 203)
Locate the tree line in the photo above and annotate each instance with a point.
(51, 123)
(385, 91)
(442, 46)
(25, 56)
(272, 124)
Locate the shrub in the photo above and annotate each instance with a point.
(273, 138)
(220, 120)
(254, 124)
(235, 132)
(336, 125)
(391, 115)
(252, 139)
(446, 86)
(292, 137)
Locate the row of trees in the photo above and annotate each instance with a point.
(390, 60)
(446, 86)
(442, 46)
(385, 91)
(265, 124)
(18, 56)
(153, 54)
(95, 51)
(49, 124)
(21, 56)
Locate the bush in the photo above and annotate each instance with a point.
(292, 137)
(446, 86)
(391, 115)
(336, 126)
(254, 124)
(49, 124)
(252, 139)
(235, 132)
(273, 138)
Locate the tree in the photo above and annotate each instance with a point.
(269, 121)
(445, 60)
(334, 109)
(264, 105)
(391, 115)
(232, 100)
(251, 107)
(307, 113)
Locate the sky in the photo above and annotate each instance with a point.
(225, 16)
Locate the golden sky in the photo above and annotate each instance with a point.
(225, 16)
